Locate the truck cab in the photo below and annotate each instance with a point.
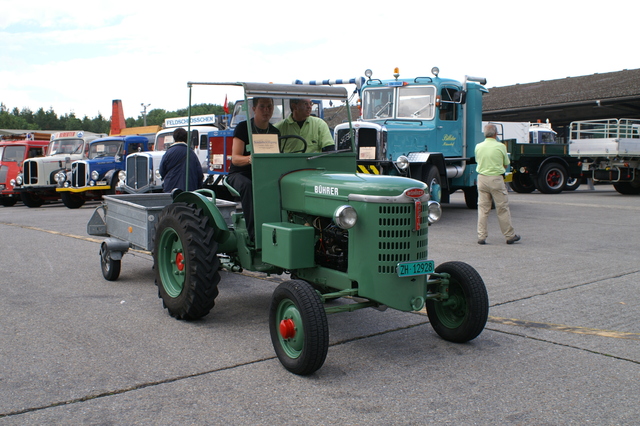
(98, 174)
(423, 127)
(13, 152)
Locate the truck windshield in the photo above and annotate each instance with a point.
(105, 149)
(64, 146)
(377, 103)
(13, 153)
(417, 102)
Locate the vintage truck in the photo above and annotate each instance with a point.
(609, 151)
(420, 127)
(37, 183)
(14, 150)
(314, 216)
(98, 174)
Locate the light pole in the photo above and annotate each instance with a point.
(144, 113)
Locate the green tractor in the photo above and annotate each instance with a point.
(337, 234)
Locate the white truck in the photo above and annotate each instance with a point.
(141, 171)
(525, 132)
(609, 151)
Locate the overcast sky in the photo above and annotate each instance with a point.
(77, 56)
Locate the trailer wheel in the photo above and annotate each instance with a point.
(72, 201)
(298, 327)
(522, 183)
(110, 268)
(186, 262)
(572, 184)
(628, 188)
(552, 178)
(30, 199)
(463, 315)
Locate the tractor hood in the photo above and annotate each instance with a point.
(318, 191)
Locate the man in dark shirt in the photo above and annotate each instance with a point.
(174, 163)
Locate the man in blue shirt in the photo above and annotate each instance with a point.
(174, 164)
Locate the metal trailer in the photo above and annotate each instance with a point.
(129, 221)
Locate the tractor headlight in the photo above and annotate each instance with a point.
(122, 175)
(435, 211)
(95, 175)
(345, 217)
(60, 177)
(18, 180)
(402, 162)
(158, 175)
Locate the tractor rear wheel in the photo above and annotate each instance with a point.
(298, 327)
(186, 262)
(462, 316)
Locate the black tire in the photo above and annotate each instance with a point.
(551, 179)
(114, 184)
(522, 183)
(8, 201)
(71, 200)
(463, 315)
(471, 197)
(572, 184)
(298, 326)
(110, 268)
(186, 262)
(627, 188)
(30, 199)
(431, 176)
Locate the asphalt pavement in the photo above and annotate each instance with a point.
(562, 345)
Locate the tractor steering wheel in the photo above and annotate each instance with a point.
(285, 137)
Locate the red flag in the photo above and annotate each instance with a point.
(226, 105)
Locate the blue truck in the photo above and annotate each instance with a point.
(425, 128)
(98, 174)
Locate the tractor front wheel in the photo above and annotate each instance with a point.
(298, 326)
(462, 316)
(186, 261)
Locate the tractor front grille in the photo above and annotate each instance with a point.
(79, 174)
(397, 239)
(30, 172)
(138, 171)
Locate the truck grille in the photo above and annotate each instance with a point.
(397, 242)
(30, 171)
(138, 171)
(79, 174)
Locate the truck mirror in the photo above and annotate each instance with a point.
(460, 97)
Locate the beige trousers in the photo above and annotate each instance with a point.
(492, 188)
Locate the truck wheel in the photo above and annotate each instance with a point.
(522, 183)
(110, 267)
(572, 184)
(8, 201)
(30, 199)
(463, 315)
(551, 179)
(186, 262)
(298, 326)
(432, 177)
(471, 197)
(71, 200)
(627, 188)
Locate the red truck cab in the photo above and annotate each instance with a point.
(14, 149)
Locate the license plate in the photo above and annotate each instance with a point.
(420, 267)
(101, 183)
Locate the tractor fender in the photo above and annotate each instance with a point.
(206, 200)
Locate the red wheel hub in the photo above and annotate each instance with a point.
(180, 261)
(287, 328)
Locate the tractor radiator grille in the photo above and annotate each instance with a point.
(397, 239)
(30, 170)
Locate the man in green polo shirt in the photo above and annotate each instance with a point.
(492, 158)
(313, 130)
